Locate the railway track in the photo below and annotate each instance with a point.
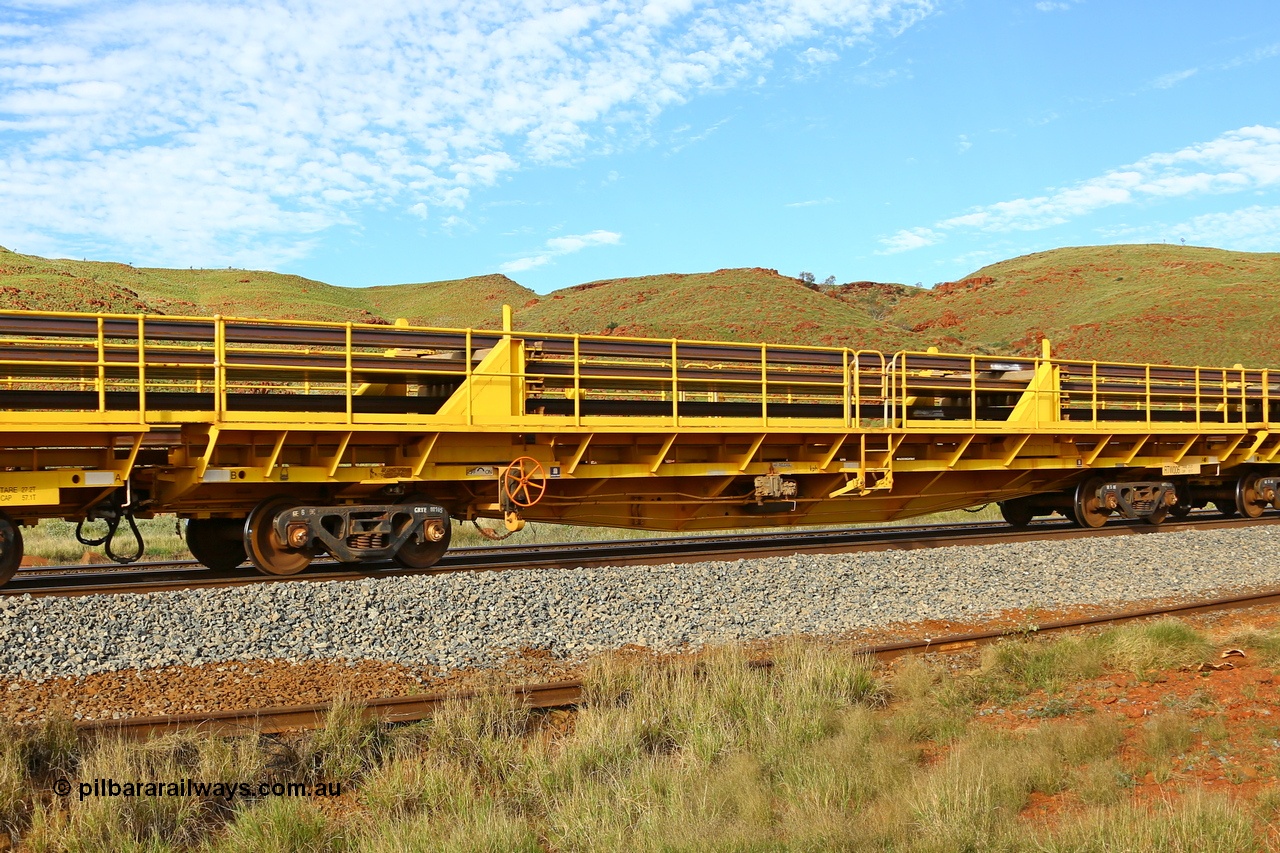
(560, 694)
(188, 574)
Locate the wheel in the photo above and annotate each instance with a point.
(1180, 510)
(424, 554)
(1088, 512)
(1248, 501)
(265, 550)
(524, 481)
(1226, 509)
(217, 542)
(10, 548)
(1016, 512)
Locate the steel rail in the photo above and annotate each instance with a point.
(191, 575)
(563, 694)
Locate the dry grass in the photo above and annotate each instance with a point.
(1048, 665)
(819, 751)
(54, 540)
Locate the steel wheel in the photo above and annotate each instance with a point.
(1016, 512)
(10, 547)
(270, 555)
(1226, 509)
(217, 542)
(1248, 501)
(1087, 510)
(424, 554)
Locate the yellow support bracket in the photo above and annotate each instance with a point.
(275, 453)
(960, 449)
(1186, 447)
(336, 459)
(1137, 447)
(424, 449)
(125, 469)
(831, 454)
(579, 453)
(662, 454)
(202, 464)
(1258, 441)
(750, 454)
(1222, 458)
(1012, 454)
(1103, 441)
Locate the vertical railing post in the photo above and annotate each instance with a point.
(219, 367)
(102, 368)
(1226, 397)
(1198, 395)
(1095, 394)
(349, 374)
(973, 390)
(675, 385)
(857, 388)
(764, 384)
(1039, 391)
(1266, 396)
(577, 380)
(470, 375)
(901, 393)
(848, 392)
(1147, 378)
(1244, 396)
(142, 369)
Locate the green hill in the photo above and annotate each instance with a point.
(1125, 303)
(1154, 303)
(35, 283)
(733, 304)
(474, 303)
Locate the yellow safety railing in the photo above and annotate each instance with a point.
(220, 365)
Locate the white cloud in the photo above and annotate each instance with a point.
(1257, 55)
(1249, 229)
(685, 141)
(1254, 228)
(963, 143)
(813, 202)
(558, 246)
(1240, 160)
(908, 239)
(1053, 5)
(818, 56)
(1168, 81)
(214, 131)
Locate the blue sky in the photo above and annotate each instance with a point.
(894, 140)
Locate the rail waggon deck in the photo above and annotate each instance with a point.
(226, 421)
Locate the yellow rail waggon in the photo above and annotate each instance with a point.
(281, 439)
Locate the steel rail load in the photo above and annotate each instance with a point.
(280, 439)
